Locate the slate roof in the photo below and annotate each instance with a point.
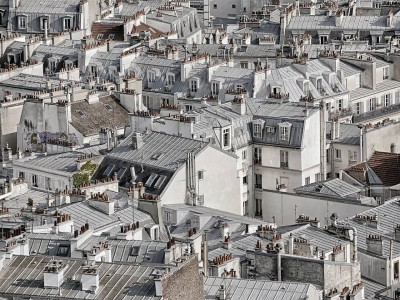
(32, 82)
(48, 6)
(349, 134)
(82, 213)
(382, 168)
(173, 150)
(275, 113)
(243, 289)
(24, 276)
(97, 116)
(349, 23)
(331, 188)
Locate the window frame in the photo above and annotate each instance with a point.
(284, 159)
(22, 25)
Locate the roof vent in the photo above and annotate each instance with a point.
(137, 141)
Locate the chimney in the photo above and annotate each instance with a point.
(389, 18)
(339, 18)
(337, 129)
(291, 244)
(227, 243)
(158, 283)
(90, 279)
(239, 105)
(392, 148)
(54, 274)
(375, 244)
(224, 230)
(222, 292)
(20, 154)
(137, 140)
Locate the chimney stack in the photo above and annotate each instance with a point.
(54, 274)
(90, 279)
(137, 141)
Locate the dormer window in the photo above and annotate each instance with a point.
(215, 88)
(257, 130)
(44, 21)
(151, 76)
(258, 126)
(170, 79)
(385, 73)
(284, 131)
(226, 137)
(67, 23)
(22, 22)
(194, 85)
(319, 84)
(306, 88)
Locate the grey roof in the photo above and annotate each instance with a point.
(388, 217)
(275, 113)
(307, 22)
(82, 213)
(349, 69)
(24, 276)
(243, 289)
(16, 203)
(121, 250)
(64, 162)
(363, 92)
(349, 134)
(173, 150)
(57, 50)
(370, 288)
(48, 6)
(47, 243)
(331, 188)
(32, 82)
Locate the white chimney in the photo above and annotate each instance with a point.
(90, 279)
(54, 274)
(137, 141)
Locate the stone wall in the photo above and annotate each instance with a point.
(185, 283)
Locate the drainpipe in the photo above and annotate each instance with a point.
(361, 144)
(279, 266)
(205, 254)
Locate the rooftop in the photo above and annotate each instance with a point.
(48, 6)
(88, 119)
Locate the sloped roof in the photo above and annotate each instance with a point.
(382, 168)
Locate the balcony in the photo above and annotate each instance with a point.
(284, 165)
(377, 113)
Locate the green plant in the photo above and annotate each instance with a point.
(83, 176)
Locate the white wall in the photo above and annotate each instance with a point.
(284, 206)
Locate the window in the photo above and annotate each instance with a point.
(245, 207)
(324, 39)
(358, 108)
(340, 104)
(270, 129)
(337, 175)
(67, 23)
(151, 76)
(215, 6)
(317, 177)
(188, 107)
(386, 100)
(200, 175)
(257, 156)
(21, 175)
(48, 183)
(257, 131)
(34, 180)
(338, 154)
(63, 250)
(44, 23)
(284, 159)
(244, 64)
(284, 133)
(385, 73)
(193, 86)
(215, 88)
(397, 95)
(307, 180)
(396, 270)
(372, 104)
(244, 9)
(319, 85)
(352, 156)
(134, 251)
(22, 22)
(233, 6)
(258, 207)
(167, 216)
(170, 79)
(258, 184)
(226, 136)
(165, 101)
(244, 179)
(306, 88)
(328, 155)
(200, 200)
(357, 81)
(244, 154)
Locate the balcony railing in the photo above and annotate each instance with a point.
(386, 110)
(284, 165)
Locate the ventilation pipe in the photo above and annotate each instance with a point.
(340, 225)
(205, 254)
